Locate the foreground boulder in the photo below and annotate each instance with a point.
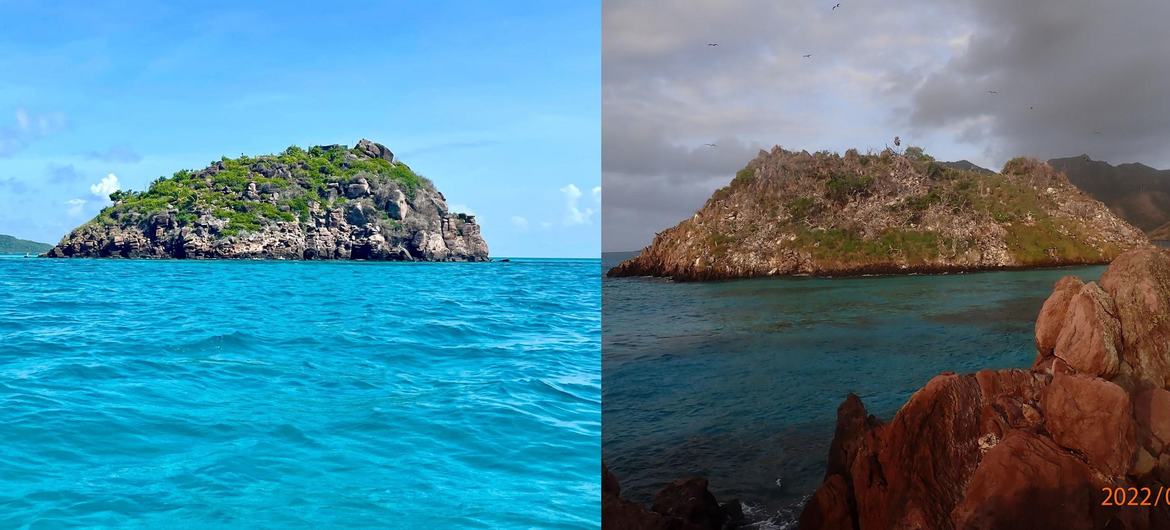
(796, 213)
(685, 504)
(327, 202)
(1025, 448)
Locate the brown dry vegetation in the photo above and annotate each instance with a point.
(799, 213)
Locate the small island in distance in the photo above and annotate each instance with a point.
(796, 213)
(326, 202)
(13, 245)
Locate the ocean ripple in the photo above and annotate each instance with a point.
(147, 394)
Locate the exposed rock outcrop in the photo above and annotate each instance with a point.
(329, 202)
(685, 504)
(795, 213)
(1025, 448)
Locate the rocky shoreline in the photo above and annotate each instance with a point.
(632, 269)
(800, 214)
(685, 504)
(324, 203)
(1011, 448)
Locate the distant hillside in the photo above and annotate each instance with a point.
(12, 245)
(1137, 193)
(791, 213)
(1162, 233)
(964, 165)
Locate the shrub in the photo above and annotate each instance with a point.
(801, 208)
(842, 186)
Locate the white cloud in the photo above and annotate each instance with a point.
(108, 185)
(50, 123)
(75, 206)
(520, 222)
(545, 225)
(597, 194)
(28, 128)
(22, 119)
(574, 215)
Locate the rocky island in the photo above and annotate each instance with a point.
(796, 213)
(326, 202)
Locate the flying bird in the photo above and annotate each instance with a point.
(992, 91)
(807, 55)
(836, 6)
(711, 145)
(712, 44)
(1096, 132)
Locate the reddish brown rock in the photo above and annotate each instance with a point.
(1139, 282)
(829, 508)
(852, 421)
(1026, 481)
(1093, 417)
(1152, 412)
(1090, 335)
(911, 472)
(1051, 318)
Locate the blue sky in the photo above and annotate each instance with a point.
(497, 102)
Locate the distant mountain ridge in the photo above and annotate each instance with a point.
(12, 245)
(965, 165)
(1136, 192)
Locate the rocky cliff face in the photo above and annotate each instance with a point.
(328, 202)
(790, 213)
(1026, 448)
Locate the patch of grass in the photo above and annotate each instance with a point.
(844, 246)
(1042, 241)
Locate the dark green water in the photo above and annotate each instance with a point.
(740, 381)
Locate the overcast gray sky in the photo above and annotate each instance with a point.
(1072, 76)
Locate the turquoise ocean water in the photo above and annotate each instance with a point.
(740, 381)
(225, 394)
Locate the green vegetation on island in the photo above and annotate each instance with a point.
(296, 177)
(325, 202)
(822, 213)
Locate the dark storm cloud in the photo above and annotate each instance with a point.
(1071, 77)
(666, 93)
(1093, 73)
